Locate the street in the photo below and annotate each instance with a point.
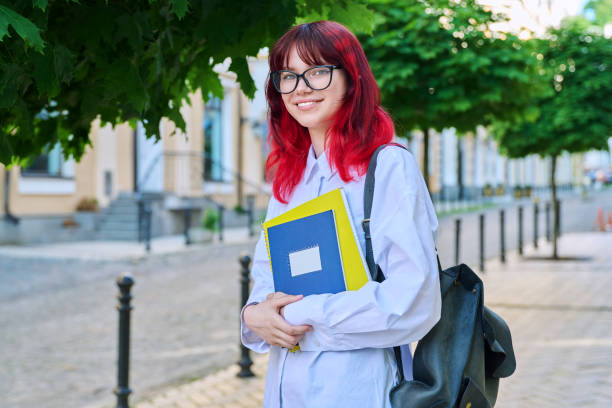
(59, 322)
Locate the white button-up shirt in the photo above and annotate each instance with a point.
(347, 359)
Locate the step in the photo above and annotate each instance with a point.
(116, 225)
(119, 218)
(117, 235)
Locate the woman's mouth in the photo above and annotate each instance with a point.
(306, 105)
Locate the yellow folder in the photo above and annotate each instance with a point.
(356, 272)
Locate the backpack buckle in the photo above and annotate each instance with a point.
(363, 222)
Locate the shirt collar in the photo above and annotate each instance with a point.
(319, 164)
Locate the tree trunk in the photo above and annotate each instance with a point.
(460, 168)
(553, 186)
(239, 184)
(426, 157)
(7, 198)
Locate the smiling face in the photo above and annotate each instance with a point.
(314, 109)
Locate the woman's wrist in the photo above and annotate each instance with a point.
(246, 315)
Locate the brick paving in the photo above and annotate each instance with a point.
(58, 319)
(560, 314)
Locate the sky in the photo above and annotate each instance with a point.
(535, 15)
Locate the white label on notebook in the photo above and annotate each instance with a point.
(305, 261)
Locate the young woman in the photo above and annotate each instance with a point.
(326, 121)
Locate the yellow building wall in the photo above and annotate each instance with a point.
(40, 204)
(2, 171)
(125, 157)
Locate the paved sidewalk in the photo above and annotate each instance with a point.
(560, 314)
(119, 250)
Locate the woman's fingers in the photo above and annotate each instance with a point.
(286, 340)
(289, 332)
(265, 320)
(281, 299)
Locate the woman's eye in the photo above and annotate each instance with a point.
(320, 72)
(288, 76)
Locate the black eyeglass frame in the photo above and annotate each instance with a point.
(303, 76)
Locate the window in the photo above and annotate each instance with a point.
(50, 164)
(213, 141)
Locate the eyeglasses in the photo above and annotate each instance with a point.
(316, 78)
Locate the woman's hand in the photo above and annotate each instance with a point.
(266, 320)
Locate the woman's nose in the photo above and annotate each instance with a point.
(302, 87)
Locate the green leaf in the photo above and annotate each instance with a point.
(9, 85)
(41, 4)
(357, 17)
(180, 8)
(45, 75)
(22, 26)
(241, 68)
(352, 14)
(6, 150)
(64, 68)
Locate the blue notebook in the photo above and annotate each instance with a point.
(305, 256)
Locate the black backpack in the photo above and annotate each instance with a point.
(460, 361)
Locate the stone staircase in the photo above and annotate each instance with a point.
(120, 220)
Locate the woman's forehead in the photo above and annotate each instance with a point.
(300, 54)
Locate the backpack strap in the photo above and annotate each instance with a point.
(368, 195)
(375, 272)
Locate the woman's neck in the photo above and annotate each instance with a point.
(317, 138)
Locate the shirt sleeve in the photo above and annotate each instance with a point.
(261, 275)
(404, 307)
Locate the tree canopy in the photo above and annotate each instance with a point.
(575, 114)
(64, 63)
(600, 11)
(440, 65)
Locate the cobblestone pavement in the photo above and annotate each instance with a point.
(58, 322)
(560, 314)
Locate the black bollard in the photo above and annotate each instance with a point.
(245, 362)
(547, 215)
(147, 230)
(140, 219)
(520, 230)
(123, 390)
(221, 211)
(250, 213)
(481, 228)
(536, 213)
(502, 236)
(187, 222)
(457, 238)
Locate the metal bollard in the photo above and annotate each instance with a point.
(547, 215)
(187, 222)
(536, 213)
(457, 237)
(123, 390)
(520, 230)
(481, 235)
(140, 219)
(245, 362)
(147, 231)
(250, 213)
(502, 236)
(221, 211)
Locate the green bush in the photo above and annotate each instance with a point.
(210, 219)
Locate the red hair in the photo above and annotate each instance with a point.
(359, 126)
